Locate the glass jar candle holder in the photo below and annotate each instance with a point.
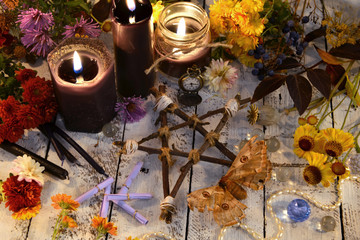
(182, 28)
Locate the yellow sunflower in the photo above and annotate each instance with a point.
(306, 140)
(318, 170)
(337, 141)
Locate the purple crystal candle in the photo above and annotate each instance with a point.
(86, 95)
(132, 29)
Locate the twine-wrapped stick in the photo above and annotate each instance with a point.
(165, 157)
(174, 109)
(234, 105)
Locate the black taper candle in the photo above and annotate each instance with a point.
(133, 47)
(50, 167)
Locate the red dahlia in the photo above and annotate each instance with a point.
(37, 90)
(21, 194)
(12, 130)
(24, 75)
(9, 108)
(28, 116)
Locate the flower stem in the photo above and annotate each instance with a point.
(352, 98)
(333, 93)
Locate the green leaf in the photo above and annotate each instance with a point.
(268, 85)
(321, 80)
(349, 86)
(349, 51)
(300, 91)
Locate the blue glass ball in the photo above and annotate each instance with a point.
(298, 210)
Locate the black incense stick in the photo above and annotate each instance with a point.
(79, 149)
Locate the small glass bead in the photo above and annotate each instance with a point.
(298, 210)
(109, 130)
(244, 133)
(258, 132)
(273, 144)
(283, 174)
(328, 224)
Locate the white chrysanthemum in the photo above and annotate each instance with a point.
(26, 168)
(220, 76)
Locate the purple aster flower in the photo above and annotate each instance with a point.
(82, 28)
(131, 109)
(35, 19)
(39, 40)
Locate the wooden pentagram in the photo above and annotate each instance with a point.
(195, 155)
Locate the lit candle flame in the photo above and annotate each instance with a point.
(181, 30)
(77, 63)
(131, 5)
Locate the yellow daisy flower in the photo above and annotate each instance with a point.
(318, 170)
(339, 169)
(157, 9)
(337, 141)
(306, 140)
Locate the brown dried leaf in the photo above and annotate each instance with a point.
(336, 72)
(288, 63)
(315, 34)
(101, 10)
(300, 91)
(327, 57)
(321, 80)
(349, 51)
(267, 86)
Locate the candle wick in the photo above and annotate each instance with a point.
(79, 79)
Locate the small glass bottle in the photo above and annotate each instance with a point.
(169, 38)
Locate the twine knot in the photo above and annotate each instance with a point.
(211, 137)
(194, 155)
(164, 132)
(196, 120)
(168, 205)
(232, 106)
(165, 152)
(162, 103)
(130, 147)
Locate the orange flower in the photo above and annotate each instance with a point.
(63, 201)
(27, 213)
(68, 222)
(103, 226)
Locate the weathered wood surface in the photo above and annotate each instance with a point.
(186, 224)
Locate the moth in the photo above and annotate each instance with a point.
(251, 168)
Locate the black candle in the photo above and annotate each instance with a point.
(133, 45)
(50, 167)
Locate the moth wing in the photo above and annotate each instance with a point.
(228, 211)
(253, 167)
(202, 198)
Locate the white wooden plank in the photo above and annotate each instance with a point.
(152, 181)
(81, 179)
(37, 143)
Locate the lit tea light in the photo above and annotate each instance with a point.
(182, 28)
(78, 68)
(131, 5)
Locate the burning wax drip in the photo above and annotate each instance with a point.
(131, 5)
(78, 68)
